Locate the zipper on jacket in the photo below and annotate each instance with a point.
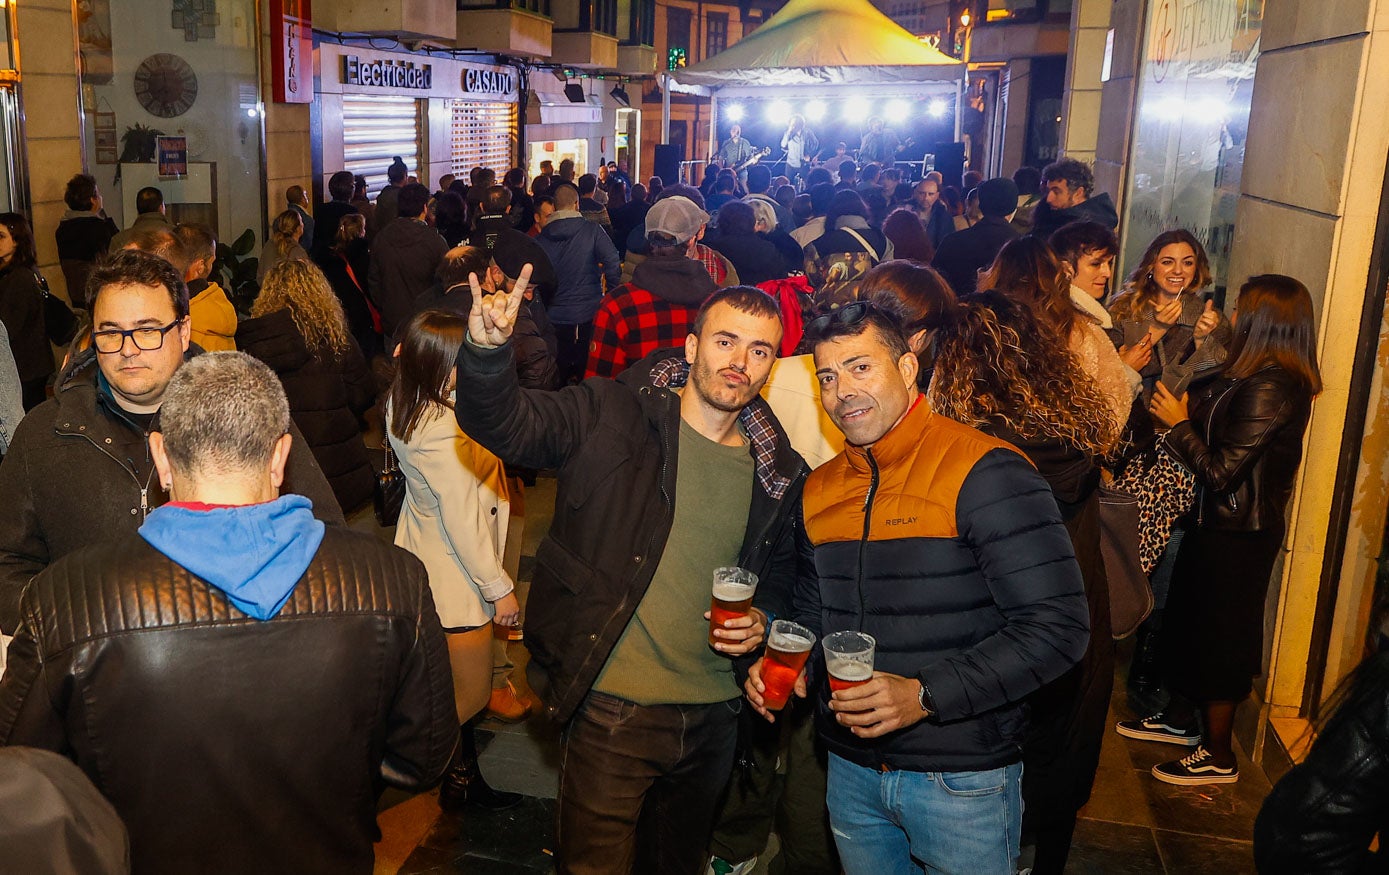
(1201, 489)
(867, 525)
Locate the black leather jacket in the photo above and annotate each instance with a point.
(1322, 815)
(1244, 443)
(230, 745)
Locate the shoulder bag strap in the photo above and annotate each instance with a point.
(866, 245)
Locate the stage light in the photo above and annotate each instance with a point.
(857, 110)
(779, 113)
(937, 108)
(897, 111)
(734, 112)
(815, 110)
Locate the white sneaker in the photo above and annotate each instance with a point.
(720, 866)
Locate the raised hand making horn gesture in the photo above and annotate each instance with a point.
(492, 318)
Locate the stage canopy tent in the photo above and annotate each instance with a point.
(819, 42)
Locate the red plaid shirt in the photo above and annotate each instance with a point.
(631, 324)
(714, 263)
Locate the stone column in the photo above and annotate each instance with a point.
(1080, 114)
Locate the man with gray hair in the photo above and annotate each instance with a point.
(156, 661)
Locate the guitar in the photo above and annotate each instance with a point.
(756, 156)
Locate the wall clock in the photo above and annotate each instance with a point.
(165, 85)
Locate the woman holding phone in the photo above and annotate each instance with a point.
(1240, 431)
(1163, 303)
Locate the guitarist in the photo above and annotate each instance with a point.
(736, 153)
(879, 145)
(800, 145)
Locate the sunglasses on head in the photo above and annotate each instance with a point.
(849, 314)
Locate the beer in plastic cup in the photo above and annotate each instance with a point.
(788, 647)
(849, 659)
(733, 591)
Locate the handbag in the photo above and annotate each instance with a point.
(1130, 594)
(1165, 490)
(390, 490)
(59, 322)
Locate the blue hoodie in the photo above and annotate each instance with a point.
(254, 554)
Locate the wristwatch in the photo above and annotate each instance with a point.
(921, 698)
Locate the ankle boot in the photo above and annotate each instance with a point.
(1144, 674)
(464, 785)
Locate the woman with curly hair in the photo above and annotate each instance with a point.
(1163, 303)
(298, 328)
(283, 244)
(999, 368)
(1029, 272)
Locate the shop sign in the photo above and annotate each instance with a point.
(1191, 120)
(478, 80)
(291, 27)
(386, 74)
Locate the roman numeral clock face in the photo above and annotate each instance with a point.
(165, 85)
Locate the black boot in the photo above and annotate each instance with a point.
(463, 782)
(1144, 674)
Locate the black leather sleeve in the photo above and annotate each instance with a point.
(1257, 409)
(27, 713)
(422, 729)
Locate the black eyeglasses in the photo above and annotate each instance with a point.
(849, 314)
(146, 339)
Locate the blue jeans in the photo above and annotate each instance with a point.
(953, 823)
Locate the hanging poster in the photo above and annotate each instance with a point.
(173, 157)
(1191, 121)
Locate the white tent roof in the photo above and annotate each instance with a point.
(823, 42)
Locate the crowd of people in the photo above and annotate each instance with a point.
(893, 406)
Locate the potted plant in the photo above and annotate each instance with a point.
(139, 144)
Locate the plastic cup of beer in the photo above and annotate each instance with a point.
(733, 591)
(849, 659)
(788, 647)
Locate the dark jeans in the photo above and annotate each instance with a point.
(785, 789)
(638, 785)
(572, 353)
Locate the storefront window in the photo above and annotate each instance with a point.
(1190, 126)
(483, 136)
(557, 151)
(191, 73)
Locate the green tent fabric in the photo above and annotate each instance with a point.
(822, 42)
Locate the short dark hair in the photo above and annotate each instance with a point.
(819, 175)
(514, 178)
(460, 261)
(359, 184)
(340, 186)
(161, 241)
(148, 200)
(412, 200)
(871, 171)
(726, 183)
(883, 313)
(134, 267)
(736, 217)
(1075, 240)
(496, 200)
(1027, 179)
(821, 196)
(892, 173)
(588, 183)
(25, 254)
(688, 192)
(846, 202)
(1076, 174)
(847, 167)
(81, 192)
(744, 299)
(197, 240)
(397, 171)
(759, 178)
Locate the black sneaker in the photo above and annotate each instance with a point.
(1196, 768)
(1154, 729)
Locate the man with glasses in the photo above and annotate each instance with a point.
(946, 546)
(78, 469)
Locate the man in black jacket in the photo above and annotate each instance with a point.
(1070, 197)
(329, 215)
(494, 232)
(946, 546)
(78, 469)
(403, 258)
(964, 253)
(159, 661)
(676, 468)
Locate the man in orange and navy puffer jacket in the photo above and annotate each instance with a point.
(946, 546)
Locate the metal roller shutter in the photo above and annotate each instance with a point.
(374, 130)
(484, 135)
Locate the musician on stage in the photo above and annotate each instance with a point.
(736, 152)
(879, 145)
(800, 145)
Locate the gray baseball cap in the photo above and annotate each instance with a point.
(677, 217)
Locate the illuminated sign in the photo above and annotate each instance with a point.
(387, 74)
